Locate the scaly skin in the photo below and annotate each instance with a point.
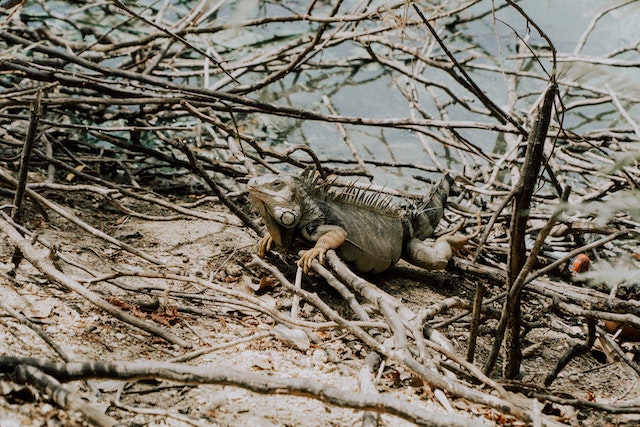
(370, 236)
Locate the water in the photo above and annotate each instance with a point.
(356, 86)
(371, 91)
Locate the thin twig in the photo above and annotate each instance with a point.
(44, 264)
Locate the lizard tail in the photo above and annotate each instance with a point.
(426, 218)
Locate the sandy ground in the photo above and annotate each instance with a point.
(212, 249)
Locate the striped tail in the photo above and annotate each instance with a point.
(426, 218)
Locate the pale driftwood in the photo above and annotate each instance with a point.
(74, 371)
(42, 262)
(146, 91)
(48, 384)
(426, 371)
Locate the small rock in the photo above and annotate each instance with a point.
(216, 401)
(319, 357)
(233, 270)
(295, 338)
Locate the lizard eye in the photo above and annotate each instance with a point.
(277, 184)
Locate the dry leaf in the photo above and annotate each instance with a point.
(71, 176)
(580, 263)
(167, 317)
(138, 313)
(266, 282)
(119, 303)
(122, 219)
(323, 335)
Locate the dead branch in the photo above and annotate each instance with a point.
(576, 350)
(510, 322)
(153, 111)
(42, 261)
(31, 374)
(393, 311)
(74, 371)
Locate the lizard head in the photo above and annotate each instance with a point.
(277, 198)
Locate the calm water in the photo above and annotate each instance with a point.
(358, 87)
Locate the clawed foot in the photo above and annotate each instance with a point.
(456, 243)
(265, 245)
(307, 257)
(438, 255)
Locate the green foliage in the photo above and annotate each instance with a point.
(621, 271)
(615, 203)
(624, 201)
(622, 160)
(605, 276)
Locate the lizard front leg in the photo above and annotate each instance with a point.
(331, 237)
(275, 235)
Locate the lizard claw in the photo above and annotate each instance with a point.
(458, 243)
(307, 258)
(265, 245)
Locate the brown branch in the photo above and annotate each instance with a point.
(36, 111)
(475, 322)
(197, 167)
(510, 319)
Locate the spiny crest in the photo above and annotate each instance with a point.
(365, 198)
(310, 178)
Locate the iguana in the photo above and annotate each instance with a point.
(366, 228)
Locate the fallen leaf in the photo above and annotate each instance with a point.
(138, 313)
(323, 335)
(266, 282)
(122, 219)
(71, 176)
(119, 303)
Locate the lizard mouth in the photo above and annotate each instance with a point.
(253, 189)
(257, 192)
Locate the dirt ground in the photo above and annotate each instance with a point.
(220, 251)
